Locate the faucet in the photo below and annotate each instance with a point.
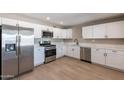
(76, 40)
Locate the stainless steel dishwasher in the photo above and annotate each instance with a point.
(85, 54)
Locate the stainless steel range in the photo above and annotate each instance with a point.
(50, 52)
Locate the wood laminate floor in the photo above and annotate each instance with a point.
(71, 69)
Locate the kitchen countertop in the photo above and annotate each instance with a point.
(103, 46)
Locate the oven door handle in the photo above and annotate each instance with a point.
(50, 49)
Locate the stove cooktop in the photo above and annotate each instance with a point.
(47, 45)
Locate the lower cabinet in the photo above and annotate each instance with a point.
(98, 55)
(39, 55)
(60, 51)
(115, 59)
(111, 58)
(73, 51)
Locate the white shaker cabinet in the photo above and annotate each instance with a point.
(39, 55)
(44, 27)
(73, 51)
(59, 51)
(98, 55)
(56, 33)
(37, 31)
(115, 59)
(76, 52)
(63, 33)
(8, 21)
(59, 33)
(26, 24)
(87, 32)
(115, 29)
(99, 31)
(69, 50)
(68, 33)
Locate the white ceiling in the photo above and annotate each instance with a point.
(70, 19)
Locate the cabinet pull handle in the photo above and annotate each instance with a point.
(97, 49)
(106, 36)
(105, 54)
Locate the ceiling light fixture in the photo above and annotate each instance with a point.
(61, 22)
(47, 18)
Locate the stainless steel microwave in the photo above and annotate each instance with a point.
(47, 34)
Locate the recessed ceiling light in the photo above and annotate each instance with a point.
(47, 18)
(61, 22)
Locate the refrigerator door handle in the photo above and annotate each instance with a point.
(16, 45)
(19, 45)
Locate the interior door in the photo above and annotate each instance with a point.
(26, 49)
(9, 51)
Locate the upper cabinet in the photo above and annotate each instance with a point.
(87, 32)
(102, 31)
(115, 29)
(8, 21)
(26, 24)
(99, 31)
(56, 33)
(62, 33)
(68, 33)
(37, 31)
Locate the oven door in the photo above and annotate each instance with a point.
(50, 52)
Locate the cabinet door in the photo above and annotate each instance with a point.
(99, 31)
(98, 56)
(39, 56)
(26, 24)
(69, 33)
(76, 52)
(56, 33)
(37, 31)
(59, 51)
(62, 50)
(60, 33)
(44, 27)
(115, 59)
(8, 21)
(65, 50)
(115, 29)
(70, 51)
(87, 32)
(63, 33)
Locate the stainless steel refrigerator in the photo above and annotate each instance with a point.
(17, 50)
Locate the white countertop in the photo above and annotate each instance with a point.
(104, 46)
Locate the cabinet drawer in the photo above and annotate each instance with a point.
(115, 52)
(98, 49)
